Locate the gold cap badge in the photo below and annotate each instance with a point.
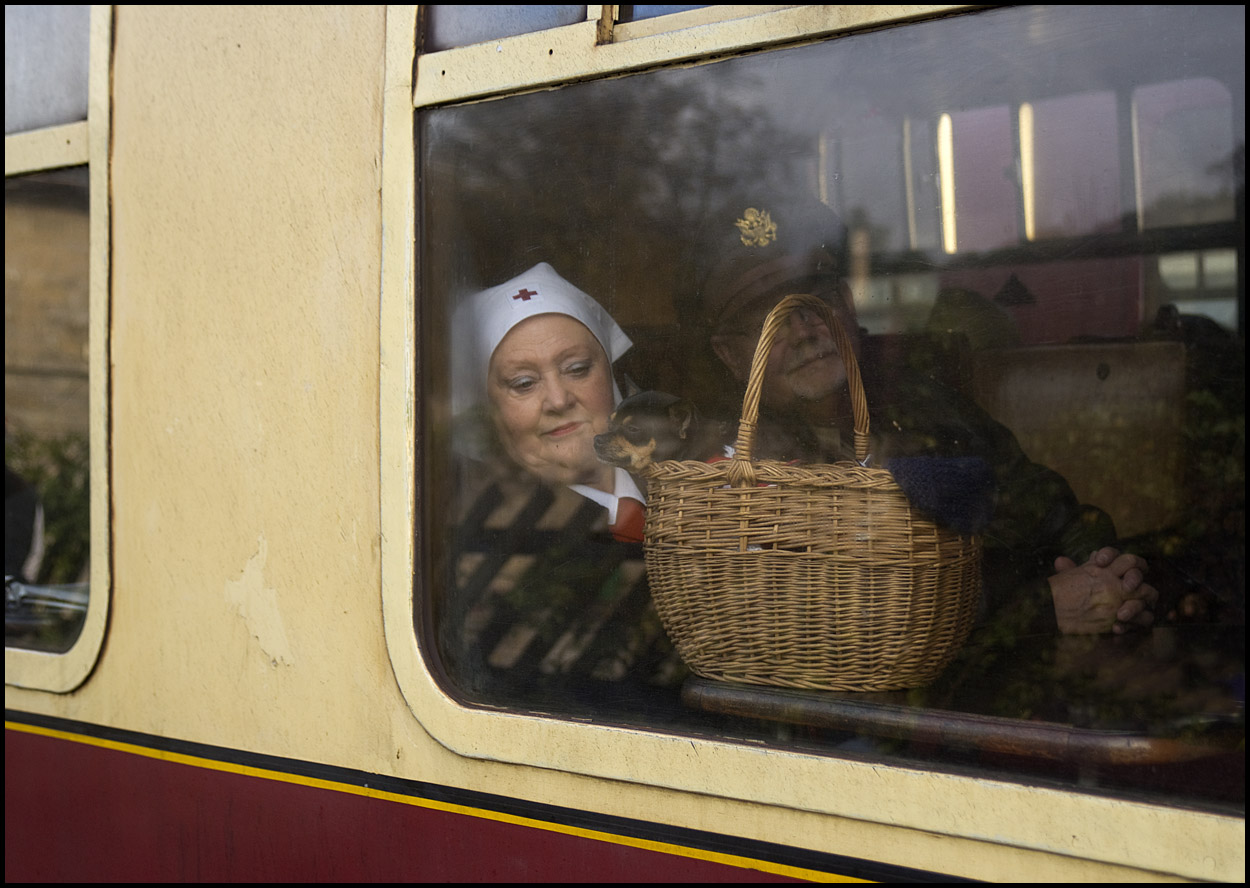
(757, 227)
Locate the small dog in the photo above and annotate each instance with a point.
(651, 426)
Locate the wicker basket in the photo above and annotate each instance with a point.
(805, 576)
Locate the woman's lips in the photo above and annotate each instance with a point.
(567, 429)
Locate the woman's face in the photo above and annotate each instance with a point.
(550, 388)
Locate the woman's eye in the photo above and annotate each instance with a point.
(581, 368)
(521, 384)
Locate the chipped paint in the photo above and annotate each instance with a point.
(257, 605)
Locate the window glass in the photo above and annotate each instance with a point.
(1051, 381)
(638, 13)
(45, 66)
(450, 26)
(46, 490)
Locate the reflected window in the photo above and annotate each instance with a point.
(1007, 316)
(1070, 165)
(1202, 284)
(47, 525)
(1187, 158)
(980, 182)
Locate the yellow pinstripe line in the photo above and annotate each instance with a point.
(267, 774)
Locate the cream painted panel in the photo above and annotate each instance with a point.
(245, 345)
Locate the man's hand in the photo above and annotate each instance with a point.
(1107, 593)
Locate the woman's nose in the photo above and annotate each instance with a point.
(560, 396)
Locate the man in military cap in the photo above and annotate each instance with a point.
(749, 268)
(758, 250)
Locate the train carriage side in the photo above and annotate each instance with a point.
(270, 214)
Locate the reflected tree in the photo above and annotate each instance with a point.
(607, 181)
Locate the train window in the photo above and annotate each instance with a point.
(450, 26)
(45, 66)
(638, 13)
(609, 39)
(1018, 276)
(47, 532)
(55, 209)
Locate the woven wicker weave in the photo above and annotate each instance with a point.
(805, 576)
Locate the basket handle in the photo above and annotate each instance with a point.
(779, 316)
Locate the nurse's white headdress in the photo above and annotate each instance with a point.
(480, 324)
(484, 319)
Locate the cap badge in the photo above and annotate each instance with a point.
(525, 295)
(757, 228)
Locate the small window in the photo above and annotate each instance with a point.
(45, 66)
(448, 27)
(47, 529)
(638, 13)
(55, 367)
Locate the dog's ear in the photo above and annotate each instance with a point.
(684, 417)
(631, 388)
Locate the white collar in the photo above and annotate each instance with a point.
(623, 486)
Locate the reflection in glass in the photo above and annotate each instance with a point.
(1070, 165)
(47, 522)
(1186, 167)
(983, 180)
(1051, 310)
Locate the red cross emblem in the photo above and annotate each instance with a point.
(524, 295)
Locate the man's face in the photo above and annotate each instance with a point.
(804, 368)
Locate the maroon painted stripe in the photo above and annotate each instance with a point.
(82, 812)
